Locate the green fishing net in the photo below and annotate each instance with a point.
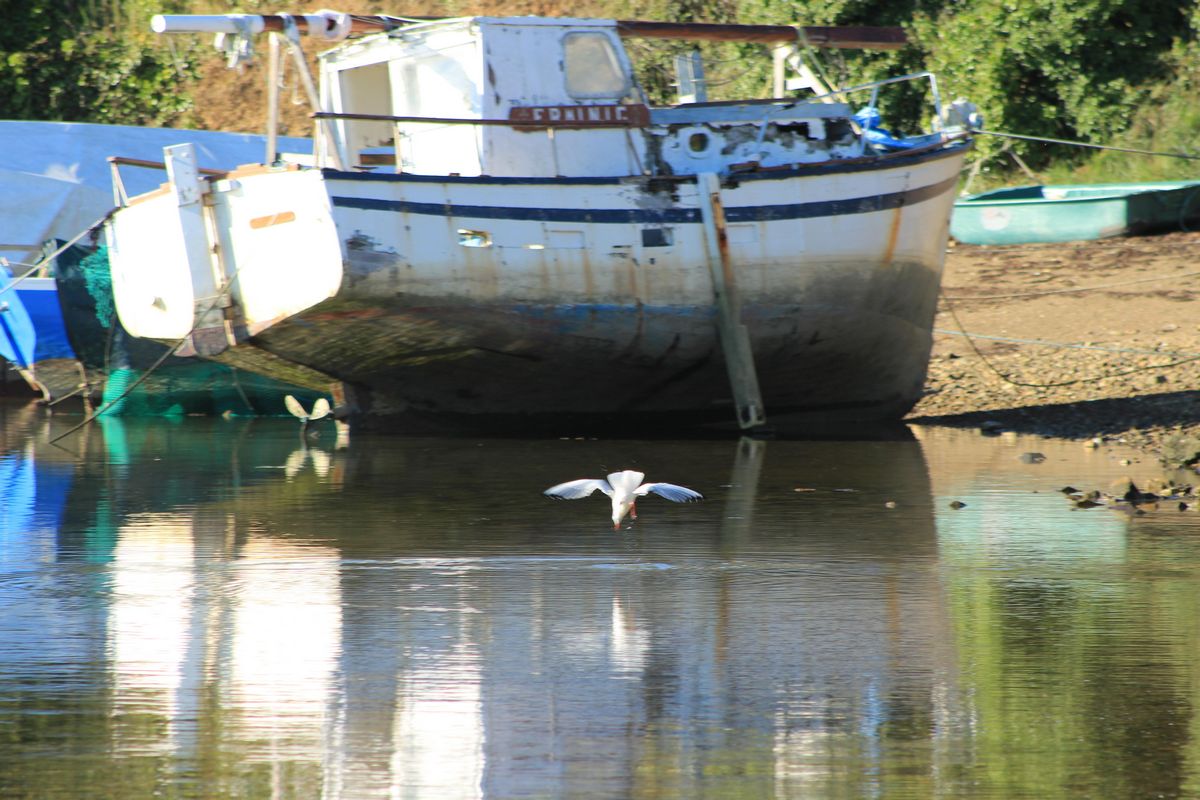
(99, 284)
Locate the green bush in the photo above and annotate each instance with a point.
(1124, 72)
(92, 62)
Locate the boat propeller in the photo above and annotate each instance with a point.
(320, 410)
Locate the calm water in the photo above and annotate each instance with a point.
(206, 608)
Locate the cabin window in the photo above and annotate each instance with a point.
(593, 67)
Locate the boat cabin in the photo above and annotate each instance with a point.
(536, 97)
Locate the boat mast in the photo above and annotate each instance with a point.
(334, 25)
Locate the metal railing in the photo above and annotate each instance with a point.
(840, 94)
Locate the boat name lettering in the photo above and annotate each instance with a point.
(622, 114)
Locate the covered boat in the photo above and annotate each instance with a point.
(498, 230)
(56, 326)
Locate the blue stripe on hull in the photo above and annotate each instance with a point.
(785, 211)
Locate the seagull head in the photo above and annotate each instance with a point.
(620, 507)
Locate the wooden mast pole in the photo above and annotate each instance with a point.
(325, 25)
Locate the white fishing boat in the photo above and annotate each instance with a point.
(497, 229)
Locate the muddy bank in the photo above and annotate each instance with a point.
(1083, 340)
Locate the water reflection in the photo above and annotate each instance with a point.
(218, 608)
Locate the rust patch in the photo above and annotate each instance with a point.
(893, 234)
(722, 239)
(273, 219)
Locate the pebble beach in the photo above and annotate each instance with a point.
(1096, 341)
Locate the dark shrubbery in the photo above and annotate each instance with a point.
(91, 62)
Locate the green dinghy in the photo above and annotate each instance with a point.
(1023, 214)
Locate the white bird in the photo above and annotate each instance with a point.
(624, 488)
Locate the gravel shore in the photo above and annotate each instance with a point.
(1081, 340)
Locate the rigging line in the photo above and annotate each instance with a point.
(1007, 379)
(817, 67)
(67, 396)
(90, 419)
(1065, 345)
(12, 284)
(1086, 144)
(1096, 288)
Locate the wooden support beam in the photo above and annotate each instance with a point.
(734, 337)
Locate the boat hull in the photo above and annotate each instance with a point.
(559, 302)
(447, 359)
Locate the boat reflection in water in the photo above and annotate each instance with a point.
(246, 610)
(201, 607)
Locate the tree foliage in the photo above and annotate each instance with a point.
(1069, 69)
(1065, 69)
(1098, 71)
(91, 62)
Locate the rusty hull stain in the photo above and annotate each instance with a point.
(893, 233)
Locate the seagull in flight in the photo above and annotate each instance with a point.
(624, 488)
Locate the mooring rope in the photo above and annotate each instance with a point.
(1064, 345)
(1048, 140)
(1075, 290)
(1181, 358)
(1008, 379)
(125, 393)
(47, 259)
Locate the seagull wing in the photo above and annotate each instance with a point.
(574, 490)
(677, 494)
